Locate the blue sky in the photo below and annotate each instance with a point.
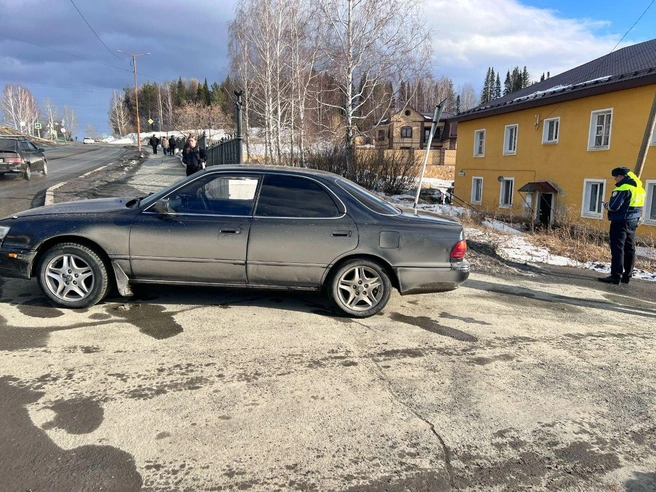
(49, 48)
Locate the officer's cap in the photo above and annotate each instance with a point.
(620, 171)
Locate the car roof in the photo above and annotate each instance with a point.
(301, 171)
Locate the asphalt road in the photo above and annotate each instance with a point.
(524, 378)
(65, 163)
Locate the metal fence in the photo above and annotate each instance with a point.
(227, 151)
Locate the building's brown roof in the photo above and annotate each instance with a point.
(633, 66)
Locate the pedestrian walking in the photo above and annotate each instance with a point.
(154, 142)
(165, 144)
(624, 212)
(172, 145)
(193, 156)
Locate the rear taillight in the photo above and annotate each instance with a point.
(13, 160)
(459, 250)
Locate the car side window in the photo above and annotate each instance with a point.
(294, 196)
(32, 147)
(25, 145)
(216, 195)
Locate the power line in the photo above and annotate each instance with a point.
(630, 28)
(74, 56)
(103, 43)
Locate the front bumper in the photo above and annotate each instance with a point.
(19, 266)
(437, 279)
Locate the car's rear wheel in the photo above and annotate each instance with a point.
(27, 174)
(44, 171)
(73, 276)
(360, 288)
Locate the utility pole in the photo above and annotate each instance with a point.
(646, 138)
(136, 92)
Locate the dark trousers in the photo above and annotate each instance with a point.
(154, 149)
(622, 247)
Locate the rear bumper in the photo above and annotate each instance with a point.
(439, 279)
(12, 168)
(19, 267)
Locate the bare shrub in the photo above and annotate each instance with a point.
(388, 173)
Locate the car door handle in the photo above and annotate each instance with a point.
(341, 234)
(230, 231)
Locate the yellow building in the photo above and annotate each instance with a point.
(547, 151)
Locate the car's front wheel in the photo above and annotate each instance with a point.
(360, 288)
(73, 276)
(28, 172)
(45, 168)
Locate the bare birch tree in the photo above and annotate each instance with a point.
(371, 41)
(119, 116)
(70, 121)
(240, 49)
(20, 109)
(51, 116)
(468, 97)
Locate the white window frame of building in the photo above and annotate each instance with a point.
(510, 139)
(601, 124)
(588, 187)
(650, 202)
(479, 143)
(504, 183)
(474, 199)
(551, 130)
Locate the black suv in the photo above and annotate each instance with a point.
(19, 155)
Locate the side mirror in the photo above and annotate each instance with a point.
(42, 150)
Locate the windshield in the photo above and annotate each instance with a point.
(368, 199)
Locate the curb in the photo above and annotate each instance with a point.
(50, 197)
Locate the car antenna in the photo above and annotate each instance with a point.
(436, 120)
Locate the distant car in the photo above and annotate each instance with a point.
(88, 140)
(20, 156)
(238, 226)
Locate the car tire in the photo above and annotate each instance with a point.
(44, 171)
(27, 174)
(360, 288)
(73, 276)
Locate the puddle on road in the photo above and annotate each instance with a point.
(150, 319)
(89, 467)
(77, 416)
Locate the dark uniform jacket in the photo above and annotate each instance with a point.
(619, 204)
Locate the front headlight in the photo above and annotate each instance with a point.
(4, 230)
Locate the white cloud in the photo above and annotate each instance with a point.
(471, 35)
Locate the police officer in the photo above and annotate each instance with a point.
(624, 212)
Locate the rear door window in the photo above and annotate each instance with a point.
(294, 196)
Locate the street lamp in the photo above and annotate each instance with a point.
(136, 92)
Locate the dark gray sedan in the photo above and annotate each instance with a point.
(240, 226)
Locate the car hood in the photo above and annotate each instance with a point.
(96, 205)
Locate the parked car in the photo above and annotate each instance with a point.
(88, 140)
(238, 226)
(20, 156)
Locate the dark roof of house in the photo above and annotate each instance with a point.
(633, 66)
(427, 116)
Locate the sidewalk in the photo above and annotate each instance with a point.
(157, 172)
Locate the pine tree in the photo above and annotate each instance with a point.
(497, 88)
(507, 85)
(526, 79)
